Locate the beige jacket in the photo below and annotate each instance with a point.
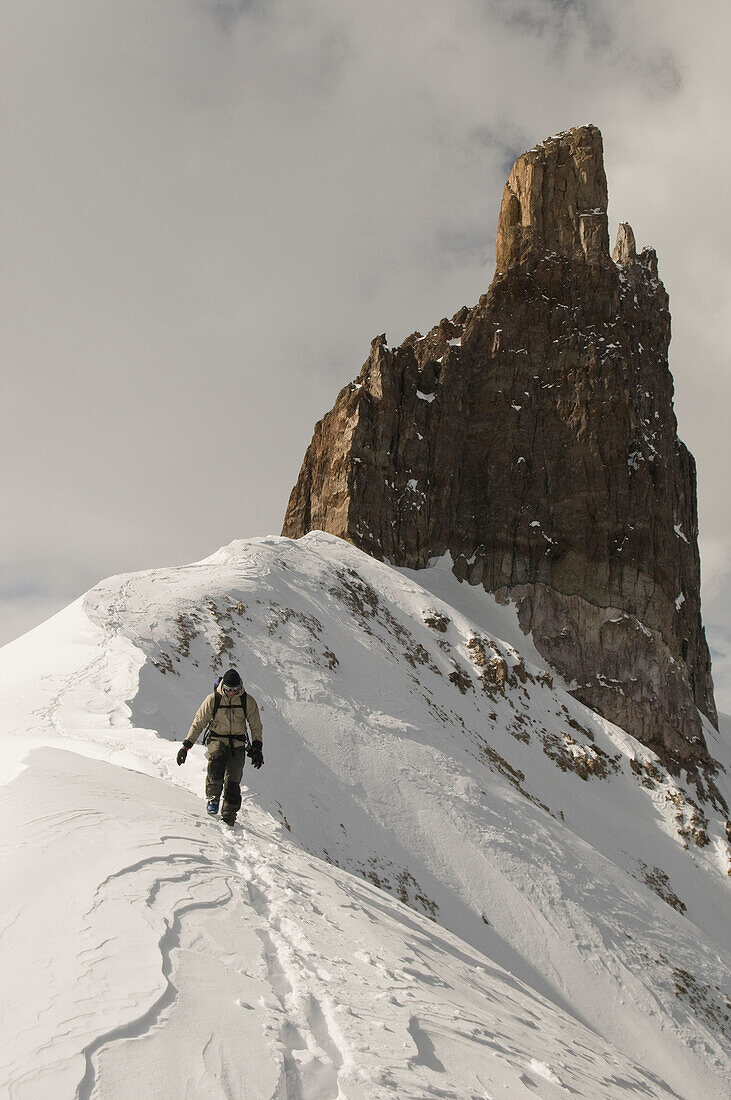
(229, 721)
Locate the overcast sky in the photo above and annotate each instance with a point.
(211, 207)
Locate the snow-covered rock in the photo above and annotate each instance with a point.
(440, 886)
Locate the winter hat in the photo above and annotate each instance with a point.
(231, 679)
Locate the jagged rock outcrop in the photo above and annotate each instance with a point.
(533, 437)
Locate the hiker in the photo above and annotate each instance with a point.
(225, 712)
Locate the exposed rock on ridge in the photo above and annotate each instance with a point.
(533, 437)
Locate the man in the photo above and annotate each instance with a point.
(226, 711)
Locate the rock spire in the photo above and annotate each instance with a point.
(555, 202)
(533, 438)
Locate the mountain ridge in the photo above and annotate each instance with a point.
(550, 841)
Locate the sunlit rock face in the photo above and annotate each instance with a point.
(533, 437)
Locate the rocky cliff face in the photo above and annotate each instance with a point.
(533, 438)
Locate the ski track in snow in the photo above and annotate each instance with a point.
(312, 1058)
(338, 990)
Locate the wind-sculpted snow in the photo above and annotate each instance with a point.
(210, 967)
(558, 916)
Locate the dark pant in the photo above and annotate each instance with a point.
(225, 764)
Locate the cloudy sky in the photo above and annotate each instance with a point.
(212, 206)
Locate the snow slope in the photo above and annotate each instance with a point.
(437, 890)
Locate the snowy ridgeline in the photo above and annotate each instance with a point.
(443, 885)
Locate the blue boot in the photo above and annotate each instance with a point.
(212, 807)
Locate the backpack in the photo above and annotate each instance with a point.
(216, 704)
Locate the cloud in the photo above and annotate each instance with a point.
(210, 208)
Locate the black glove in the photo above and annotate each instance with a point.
(257, 758)
(182, 753)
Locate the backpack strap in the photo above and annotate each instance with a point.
(216, 705)
(216, 697)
